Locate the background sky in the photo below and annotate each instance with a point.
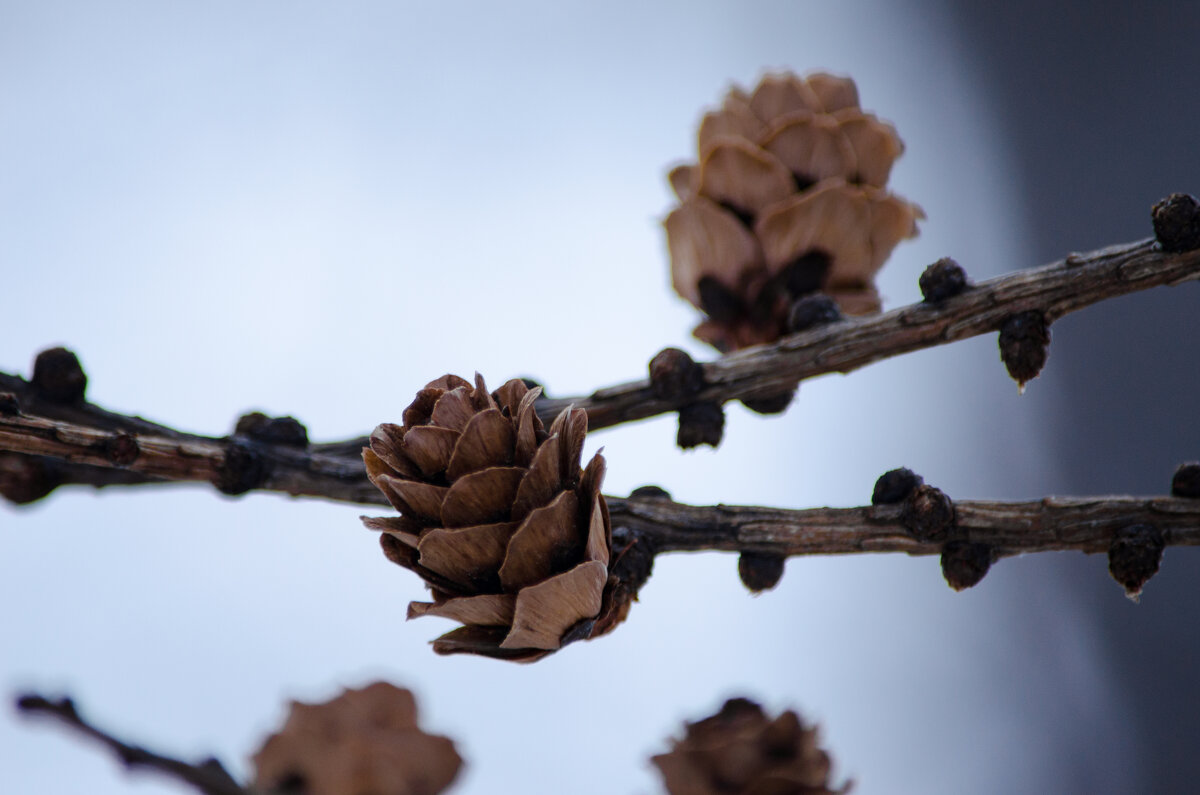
(313, 211)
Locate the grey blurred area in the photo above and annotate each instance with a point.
(1101, 104)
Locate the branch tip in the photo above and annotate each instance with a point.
(58, 376)
(965, 564)
(1024, 345)
(895, 485)
(9, 405)
(286, 431)
(1134, 557)
(1177, 222)
(1186, 481)
(700, 423)
(674, 375)
(941, 280)
(760, 571)
(811, 311)
(928, 513)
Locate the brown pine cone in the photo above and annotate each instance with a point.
(740, 750)
(787, 199)
(362, 741)
(510, 535)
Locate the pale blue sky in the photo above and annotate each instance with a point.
(313, 210)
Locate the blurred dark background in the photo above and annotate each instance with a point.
(1101, 102)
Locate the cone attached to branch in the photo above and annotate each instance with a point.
(362, 741)
(508, 531)
(787, 198)
(741, 750)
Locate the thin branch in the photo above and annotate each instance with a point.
(1085, 524)
(208, 777)
(1057, 289)
(234, 465)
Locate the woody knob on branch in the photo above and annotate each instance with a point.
(510, 534)
(786, 199)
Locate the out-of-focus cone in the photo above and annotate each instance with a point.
(362, 741)
(787, 198)
(740, 751)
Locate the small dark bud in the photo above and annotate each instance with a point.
(122, 449)
(9, 405)
(1024, 345)
(1074, 259)
(928, 514)
(700, 423)
(760, 571)
(274, 430)
(895, 485)
(26, 478)
(771, 404)
(649, 493)
(58, 376)
(1186, 482)
(1134, 556)
(941, 280)
(243, 469)
(964, 564)
(1177, 222)
(674, 375)
(811, 311)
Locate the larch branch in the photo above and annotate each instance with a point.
(208, 777)
(1057, 289)
(1085, 524)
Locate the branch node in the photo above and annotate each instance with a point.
(121, 449)
(895, 485)
(1177, 222)
(1024, 345)
(964, 564)
(241, 470)
(58, 376)
(760, 571)
(26, 478)
(9, 405)
(286, 431)
(700, 423)
(928, 514)
(649, 493)
(811, 311)
(674, 375)
(1186, 482)
(1134, 557)
(775, 403)
(941, 280)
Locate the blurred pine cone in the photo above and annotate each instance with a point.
(740, 750)
(786, 199)
(510, 535)
(362, 741)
